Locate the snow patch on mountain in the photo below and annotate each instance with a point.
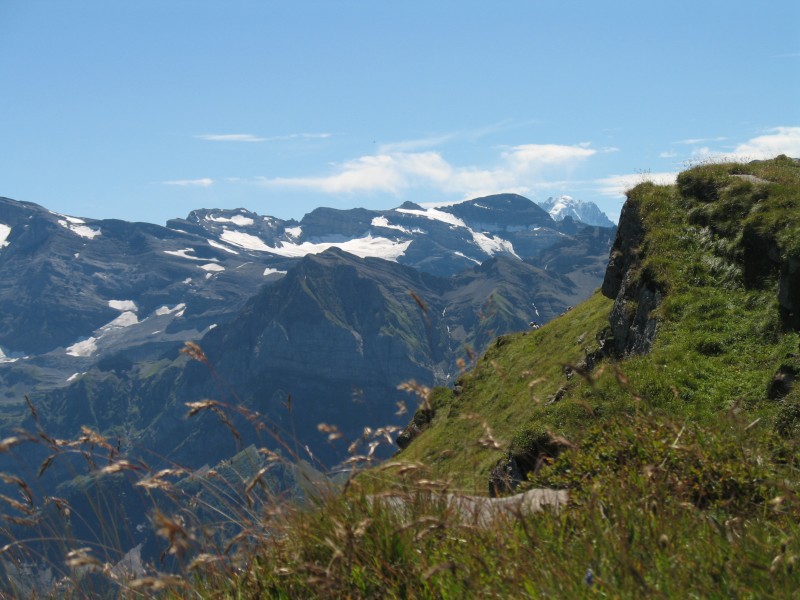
(492, 245)
(77, 227)
(123, 305)
(294, 232)
(177, 310)
(462, 255)
(379, 247)
(212, 267)
(184, 253)
(271, 271)
(384, 222)
(83, 349)
(6, 359)
(126, 319)
(240, 220)
(244, 240)
(216, 244)
(435, 215)
(5, 230)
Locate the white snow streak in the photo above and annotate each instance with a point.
(126, 319)
(212, 268)
(491, 245)
(244, 240)
(240, 220)
(435, 215)
(294, 232)
(184, 254)
(76, 227)
(177, 310)
(462, 255)
(216, 244)
(4, 231)
(123, 305)
(367, 246)
(84, 348)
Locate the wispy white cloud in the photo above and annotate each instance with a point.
(204, 182)
(251, 138)
(297, 136)
(470, 135)
(417, 144)
(518, 168)
(774, 141)
(778, 140)
(230, 137)
(695, 141)
(617, 185)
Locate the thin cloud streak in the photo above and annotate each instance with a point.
(297, 136)
(418, 144)
(251, 138)
(204, 182)
(231, 137)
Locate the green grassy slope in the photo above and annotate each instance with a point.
(720, 337)
(682, 463)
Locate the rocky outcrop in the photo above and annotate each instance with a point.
(789, 293)
(480, 510)
(632, 323)
(529, 451)
(421, 420)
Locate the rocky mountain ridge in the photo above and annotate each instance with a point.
(75, 292)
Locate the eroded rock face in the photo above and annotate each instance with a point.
(789, 293)
(632, 324)
(631, 319)
(625, 251)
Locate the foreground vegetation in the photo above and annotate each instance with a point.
(681, 464)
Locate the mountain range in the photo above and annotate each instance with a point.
(78, 294)
(302, 322)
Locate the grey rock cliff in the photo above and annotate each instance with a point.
(632, 324)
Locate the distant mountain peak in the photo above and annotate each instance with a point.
(580, 210)
(408, 205)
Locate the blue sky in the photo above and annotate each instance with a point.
(144, 110)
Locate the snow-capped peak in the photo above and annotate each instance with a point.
(578, 210)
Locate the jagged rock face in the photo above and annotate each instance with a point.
(631, 320)
(625, 251)
(789, 292)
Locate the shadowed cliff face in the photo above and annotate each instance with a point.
(632, 324)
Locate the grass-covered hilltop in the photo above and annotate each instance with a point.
(666, 405)
(664, 413)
